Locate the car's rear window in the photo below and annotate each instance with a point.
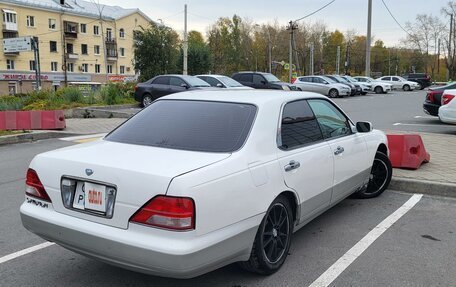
(189, 125)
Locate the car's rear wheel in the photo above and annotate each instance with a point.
(380, 177)
(273, 239)
(146, 100)
(420, 86)
(406, 88)
(333, 93)
(378, 90)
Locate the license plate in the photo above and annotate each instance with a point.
(90, 196)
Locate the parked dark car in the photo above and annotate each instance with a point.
(259, 80)
(433, 99)
(163, 85)
(421, 78)
(355, 88)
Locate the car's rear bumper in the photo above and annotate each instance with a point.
(431, 109)
(447, 115)
(141, 248)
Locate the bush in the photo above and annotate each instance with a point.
(11, 103)
(72, 95)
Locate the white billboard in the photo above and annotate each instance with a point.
(13, 45)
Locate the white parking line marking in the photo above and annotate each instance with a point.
(70, 139)
(25, 251)
(348, 258)
(425, 117)
(425, 125)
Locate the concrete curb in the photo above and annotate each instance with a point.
(423, 186)
(33, 136)
(106, 112)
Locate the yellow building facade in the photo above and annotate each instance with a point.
(79, 42)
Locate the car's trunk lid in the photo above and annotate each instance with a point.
(137, 172)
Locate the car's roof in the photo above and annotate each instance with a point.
(257, 97)
(212, 75)
(251, 72)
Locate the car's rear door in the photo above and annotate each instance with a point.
(305, 159)
(160, 87)
(349, 149)
(245, 78)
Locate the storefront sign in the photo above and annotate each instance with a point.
(45, 77)
(120, 78)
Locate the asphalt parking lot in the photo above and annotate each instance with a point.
(417, 250)
(394, 111)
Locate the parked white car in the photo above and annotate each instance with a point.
(399, 83)
(365, 86)
(221, 81)
(378, 87)
(201, 179)
(322, 85)
(447, 111)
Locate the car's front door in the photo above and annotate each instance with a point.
(305, 159)
(259, 82)
(351, 163)
(321, 86)
(396, 82)
(177, 85)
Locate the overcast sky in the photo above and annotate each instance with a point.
(342, 14)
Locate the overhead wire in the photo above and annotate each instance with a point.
(316, 11)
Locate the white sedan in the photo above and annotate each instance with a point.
(400, 83)
(378, 87)
(447, 111)
(201, 179)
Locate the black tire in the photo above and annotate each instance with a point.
(299, 89)
(364, 93)
(333, 93)
(146, 100)
(378, 90)
(267, 257)
(420, 86)
(406, 88)
(380, 177)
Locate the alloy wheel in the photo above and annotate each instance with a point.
(378, 177)
(276, 233)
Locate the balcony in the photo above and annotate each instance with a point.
(70, 30)
(10, 26)
(72, 56)
(110, 40)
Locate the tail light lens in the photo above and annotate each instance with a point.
(34, 187)
(175, 213)
(446, 99)
(430, 96)
(136, 88)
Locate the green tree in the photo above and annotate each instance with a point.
(156, 51)
(199, 55)
(330, 43)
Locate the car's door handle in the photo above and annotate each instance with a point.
(292, 165)
(339, 150)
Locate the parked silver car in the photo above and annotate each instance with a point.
(322, 85)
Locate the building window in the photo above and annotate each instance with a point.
(85, 68)
(53, 46)
(83, 28)
(70, 67)
(52, 24)
(96, 30)
(54, 66)
(12, 88)
(96, 49)
(30, 21)
(97, 68)
(32, 65)
(122, 70)
(9, 17)
(69, 48)
(9, 64)
(122, 52)
(109, 34)
(109, 67)
(122, 33)
(84, 49)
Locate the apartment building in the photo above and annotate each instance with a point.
(80, 42)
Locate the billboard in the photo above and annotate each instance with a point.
(13, 45)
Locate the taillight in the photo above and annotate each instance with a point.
(136, 88)
(176, 213)
(430, 96)
(34, 187)
(446, 99)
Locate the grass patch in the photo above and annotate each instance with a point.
(8, 133)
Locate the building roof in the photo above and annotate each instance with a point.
(79, 7)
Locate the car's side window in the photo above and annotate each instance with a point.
(174, 81)
(161, 81)
(299, 126)
(246, 78)
(258, 80)
(386, 79)
(395, 79)
(332, 122)
(211, 81)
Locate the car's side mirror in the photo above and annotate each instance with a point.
(263, 82)
(364, 127)
(219, 85)
(184, 85)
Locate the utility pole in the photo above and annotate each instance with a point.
(269, 52)
(338, 60)
(450, 54)
(185, 47)
(291, 27)
(347, 57)
(36, 51)
(368, 39)
(389, 61)
(311, 62)
(438, 56)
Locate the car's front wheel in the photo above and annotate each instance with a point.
(273, 239)
(333, 93)
(380, 177)
(146, 100)
(378, 90)
(406, 88)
